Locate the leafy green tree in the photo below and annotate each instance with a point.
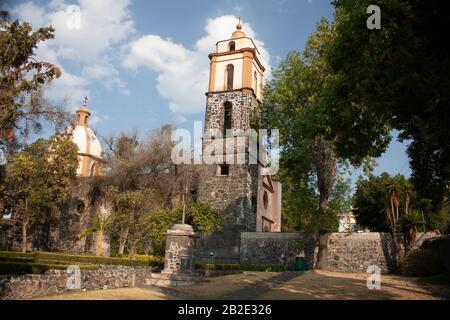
(200, 215)
(131, 211)
(295, 102)
(203, 217)
(38, 179)
(376, 194)
(341, 196)
(299, 205)
(395, 77)
(158, 224)
(22, 79)
(370, 201)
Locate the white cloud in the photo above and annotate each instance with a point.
(91, 43)
(182, 73)
(30, 13)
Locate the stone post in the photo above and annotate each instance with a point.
(180, 242)
(179, 259)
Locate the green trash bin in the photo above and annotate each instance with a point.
(300, 264)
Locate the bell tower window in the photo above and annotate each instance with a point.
(224, 170)
(229, 77)
(227, 116)
(232, 46)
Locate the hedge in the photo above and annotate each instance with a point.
(243, 267)
(39, 262)
(216, 267)
(263, 268)
(19, 268)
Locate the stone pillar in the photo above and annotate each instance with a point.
(180, 242)
(179, 260)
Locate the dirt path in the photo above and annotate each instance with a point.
(310, 285)
(315, 285)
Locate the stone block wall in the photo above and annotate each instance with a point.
(225, 246)
(269, 249)
(347, 252)
(232, 194)
(244, 108)
(54, 282)
(355, 252)
(77, 215)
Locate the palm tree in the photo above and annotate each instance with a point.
(410, 224)
(101, 225)
(392, 188)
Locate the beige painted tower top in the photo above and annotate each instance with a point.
(236, 65)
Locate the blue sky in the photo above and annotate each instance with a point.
(144, 63)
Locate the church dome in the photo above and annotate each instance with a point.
(89, 147)
(86, 141)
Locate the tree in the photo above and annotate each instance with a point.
(101, 225)
(201, 216)
(390, 203)
(38, 178)
(370, 201)
(341, 196)
(131, 211)
(135, 164)
(395, 77)
(22, 79)
(295, 102)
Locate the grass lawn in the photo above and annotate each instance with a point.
(39, 262)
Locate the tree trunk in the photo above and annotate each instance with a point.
(24, 233)
(393, 212)
(397, 249)
(322, 255)
(99, 243)
(325, 162)
(184, 208)
(123, 238)
(25, 221)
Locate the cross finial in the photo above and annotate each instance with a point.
(85, 100)
(239, 26)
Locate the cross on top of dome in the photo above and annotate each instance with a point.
(238, 33)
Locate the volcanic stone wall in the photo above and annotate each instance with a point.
(63, 235)
(347, 252)
(54, 282)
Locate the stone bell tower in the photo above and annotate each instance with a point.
(235, 91)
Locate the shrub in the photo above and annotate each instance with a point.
(433, 258)
(263, 268)
(19, 268)
(216, 267)
(56, 258)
